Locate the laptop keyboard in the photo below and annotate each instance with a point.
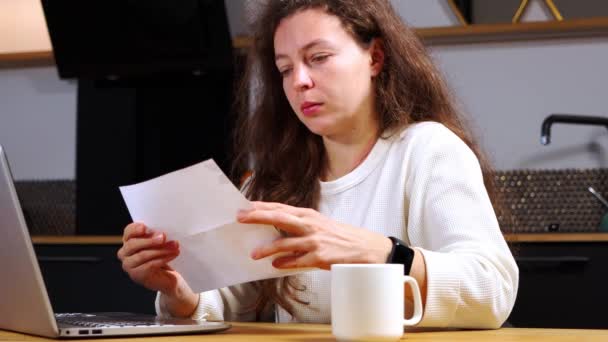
(93, 321)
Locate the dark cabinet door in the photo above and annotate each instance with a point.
(562, 285)
(89, 278)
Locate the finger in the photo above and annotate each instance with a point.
(282, 220)
(293, 244)
(139, 273)
(134, 229)
(296, 211)
(134, 245)
(299, 212)
(299, 261)
(167, 268)
(142, 257)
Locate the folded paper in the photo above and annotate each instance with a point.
(197, 207)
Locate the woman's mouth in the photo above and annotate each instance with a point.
(310, 108)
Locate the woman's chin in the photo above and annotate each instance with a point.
(319, 127)
(322, 131)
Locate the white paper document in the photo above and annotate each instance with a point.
(197, 206)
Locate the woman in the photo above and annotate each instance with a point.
(354, 139)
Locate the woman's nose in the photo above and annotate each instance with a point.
(302, 79)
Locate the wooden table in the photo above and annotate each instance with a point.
(117, 240)
(253, 332)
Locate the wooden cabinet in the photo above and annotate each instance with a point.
(562, 285)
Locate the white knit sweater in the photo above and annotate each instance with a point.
(424, 185)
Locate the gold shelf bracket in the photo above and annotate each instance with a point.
(523, 5)
(456, 11)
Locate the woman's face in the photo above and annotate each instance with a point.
(327, 76)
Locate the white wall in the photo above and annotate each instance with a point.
(38, 123)
(507, 88)
(418, 13)
(37, 110)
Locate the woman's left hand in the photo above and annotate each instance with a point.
(315, 240)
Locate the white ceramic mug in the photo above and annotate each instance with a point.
(367, 302)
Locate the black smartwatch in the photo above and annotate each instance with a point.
(401, 254)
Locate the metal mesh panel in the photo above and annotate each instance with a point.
(550, 200)
(49, 206)
(533, 201)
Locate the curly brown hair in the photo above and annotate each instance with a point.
(409, 89)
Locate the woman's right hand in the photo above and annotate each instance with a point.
(145, 255)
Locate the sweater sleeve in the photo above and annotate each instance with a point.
(472, 277)
(233, 303)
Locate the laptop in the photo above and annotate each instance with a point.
(24, 303)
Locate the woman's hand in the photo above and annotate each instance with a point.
(315, 240)
(145, 255)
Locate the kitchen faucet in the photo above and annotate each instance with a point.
(545, 132)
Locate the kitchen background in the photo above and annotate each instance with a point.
(507, 87)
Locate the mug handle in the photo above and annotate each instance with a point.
(417, 302)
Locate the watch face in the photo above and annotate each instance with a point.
(404, 255)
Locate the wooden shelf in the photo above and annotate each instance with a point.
(574, 28)
(77, 240)
(26, 59)
(557, 237)
(479, 33)
(504, 32)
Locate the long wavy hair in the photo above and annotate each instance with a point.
(285, 158)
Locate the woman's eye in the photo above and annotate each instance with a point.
(319, 58)
(285, 72)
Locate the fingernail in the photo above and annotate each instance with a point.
(254, 255)
(158, 237)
